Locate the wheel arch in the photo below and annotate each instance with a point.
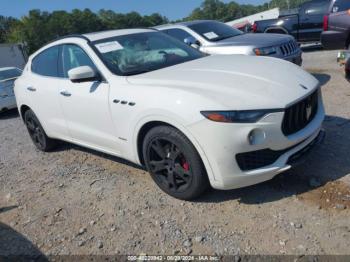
(276, 30)
(141, 136)
(23, 108)
(148, 125)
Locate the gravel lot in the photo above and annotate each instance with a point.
(77, 201)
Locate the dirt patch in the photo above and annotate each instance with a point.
(333, 195)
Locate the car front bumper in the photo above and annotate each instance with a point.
(221, 142)
(7, 102)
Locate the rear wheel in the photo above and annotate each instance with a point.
(37, 133)
(174, 163)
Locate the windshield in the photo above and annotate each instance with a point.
(9, 73)
(215, 31)
(143, 52)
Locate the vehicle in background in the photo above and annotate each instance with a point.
(344, 60)
(8, 75)
(13, 55)
(305, 26)
(347, 69)
(216, 38)
(336, 26)
(189, 118)
(245, 23)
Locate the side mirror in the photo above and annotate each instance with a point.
(83, 74)
(191, 41)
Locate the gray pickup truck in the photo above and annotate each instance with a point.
(336, 26)
(305, 25)
(213, 37)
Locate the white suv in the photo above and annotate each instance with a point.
(190, 119)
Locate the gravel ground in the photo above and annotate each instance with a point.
(77, 201)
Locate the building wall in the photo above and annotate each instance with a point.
(270, 14)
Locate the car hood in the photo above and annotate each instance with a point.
(235, 81)
(257, 40)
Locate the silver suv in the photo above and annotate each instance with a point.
(213, 37)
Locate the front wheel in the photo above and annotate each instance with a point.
(174, 163)
(37, 133)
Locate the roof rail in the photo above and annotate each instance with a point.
(88, 40)
(68, 36)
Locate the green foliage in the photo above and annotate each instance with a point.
(6, 23)
(38, 28)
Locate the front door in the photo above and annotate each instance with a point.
(85, 105)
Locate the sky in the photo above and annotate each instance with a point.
(173, 9)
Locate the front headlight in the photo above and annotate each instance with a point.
(245, 116)
(265, 51)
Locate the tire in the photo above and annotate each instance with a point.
(174, 164)
(37, 133)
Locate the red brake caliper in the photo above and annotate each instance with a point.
(186, 166)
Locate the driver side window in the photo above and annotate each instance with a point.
(73, 56)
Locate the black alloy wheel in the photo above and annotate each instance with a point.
(173, 163)
(37, 133)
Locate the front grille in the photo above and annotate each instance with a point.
(257, 159)
(289, 48)
(299, 115)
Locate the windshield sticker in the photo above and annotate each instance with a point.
(109, 47)
(210, 35)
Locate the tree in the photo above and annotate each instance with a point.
(5, 25)
(38, 28)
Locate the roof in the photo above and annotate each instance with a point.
(112, 33)
(188, 23)
(194, 22)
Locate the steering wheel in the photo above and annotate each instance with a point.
(165, 54)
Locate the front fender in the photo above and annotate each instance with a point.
(178, 123)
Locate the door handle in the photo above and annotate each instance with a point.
(30, 88)
(65, 93)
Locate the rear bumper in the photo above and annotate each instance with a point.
(333, 39)
(8, 102)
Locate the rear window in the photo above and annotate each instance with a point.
(9, 73)
(214, 31)
(46, 63)
(178, 33)
(341, 5)
(317, 8)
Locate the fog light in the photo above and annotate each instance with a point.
(256, 137)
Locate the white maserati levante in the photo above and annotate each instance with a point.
(192, 120)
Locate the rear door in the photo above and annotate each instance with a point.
(42, 88)
(85, 105)
(311, 20)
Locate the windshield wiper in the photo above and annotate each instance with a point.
(137, 72)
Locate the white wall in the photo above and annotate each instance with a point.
(269, 14)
